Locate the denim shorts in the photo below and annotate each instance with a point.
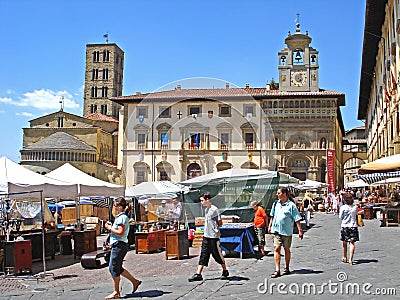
(118, 252)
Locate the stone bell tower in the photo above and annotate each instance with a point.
(298, 64)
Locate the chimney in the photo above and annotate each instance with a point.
(227, 85)
(178, 87)
(268, 87)
(247, 85)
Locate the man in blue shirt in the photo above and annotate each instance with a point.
(284, 214)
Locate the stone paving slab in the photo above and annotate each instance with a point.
(315, 260)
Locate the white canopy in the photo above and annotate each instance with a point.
(155, 188)
(309, 184)
(384, 164)
(86, 184)
(356, 184)
(236, 174)
(15, 178)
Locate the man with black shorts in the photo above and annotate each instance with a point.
(210, 244)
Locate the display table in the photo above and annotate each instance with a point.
(150, 241)
(84, 242)
(50, 242)
(238, 237)
(176, 243)
(391, 216)
(17, 256)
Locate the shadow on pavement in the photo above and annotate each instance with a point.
(230, 278)
(147, 294)
(365, 261)
(306, 271)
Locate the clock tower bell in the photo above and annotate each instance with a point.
(298, 64)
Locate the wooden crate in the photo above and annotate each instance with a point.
(69, 213)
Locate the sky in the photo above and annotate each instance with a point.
(44, 42)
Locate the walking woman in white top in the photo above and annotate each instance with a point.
(349, 228)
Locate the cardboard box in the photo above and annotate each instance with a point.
(199, 221)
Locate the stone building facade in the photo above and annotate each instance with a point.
(181, 133)
(380, 77)
(89, 143)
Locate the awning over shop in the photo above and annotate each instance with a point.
(384, 164)
(375, 177)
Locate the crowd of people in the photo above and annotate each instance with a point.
(283, 218)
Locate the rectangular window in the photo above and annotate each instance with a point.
(249, 138)
(105, 74)
(164, 139)
(249, 110)
(224, 141)
(106, 55)
(194, 110)
(141, 140)
(141, 111)
(104, 92)
(140, 176)
(104, 109)
(96, 56)
(95, 74)
(165, 112)
(194, 141)
(224, 111)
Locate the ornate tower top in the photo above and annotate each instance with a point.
(298, 63)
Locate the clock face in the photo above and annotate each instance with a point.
(298, 78)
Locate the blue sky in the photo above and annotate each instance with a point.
(44, 42)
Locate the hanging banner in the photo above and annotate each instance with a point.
(330, 164)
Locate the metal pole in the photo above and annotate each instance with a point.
(43, 233)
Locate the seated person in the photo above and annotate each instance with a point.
(162, 211)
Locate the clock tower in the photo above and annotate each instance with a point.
(298, 64)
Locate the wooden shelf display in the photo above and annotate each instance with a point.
(150, 241)
(176, 243)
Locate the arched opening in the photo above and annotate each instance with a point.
(193, 170)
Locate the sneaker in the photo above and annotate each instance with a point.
(196, 277)
(225, 274)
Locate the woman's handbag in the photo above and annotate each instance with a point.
(360, 221)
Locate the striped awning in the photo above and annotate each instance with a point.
(374, 177)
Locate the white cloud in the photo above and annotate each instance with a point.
(43, 99)
(24, 114)
(48, 99)
(7, 100)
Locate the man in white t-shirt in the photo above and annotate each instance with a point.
(210, 244)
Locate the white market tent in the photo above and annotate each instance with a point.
(86, 184)
(309, 184)
(154, 188)
(236, 174)
(15, 178)
(359, 183)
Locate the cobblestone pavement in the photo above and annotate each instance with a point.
(317, 271)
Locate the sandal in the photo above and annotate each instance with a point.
(344, 259)
(135, 287)
(286, 271)
(350, 263)
(276, 274)
(113, 296)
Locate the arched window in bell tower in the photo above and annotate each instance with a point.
(298, 57)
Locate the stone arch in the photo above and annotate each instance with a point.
(249, 165)
(193, 170)
(298, 141)
(224, 165)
